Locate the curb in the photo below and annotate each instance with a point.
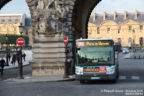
(15, 67)
(38, 80)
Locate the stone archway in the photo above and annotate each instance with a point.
(51, 21)
(81, 13)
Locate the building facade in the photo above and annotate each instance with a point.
(126, 28)
(9, 23)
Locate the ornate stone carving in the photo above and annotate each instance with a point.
(51, 15)
(40, 4)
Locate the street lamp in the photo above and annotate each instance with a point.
(133, 39)
(20, 53)
(6, 38)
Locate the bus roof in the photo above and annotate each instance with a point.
(93, 39)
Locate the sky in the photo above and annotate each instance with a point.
(120, 6)
(109, 6)
(16, 7)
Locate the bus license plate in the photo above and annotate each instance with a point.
(95, 78)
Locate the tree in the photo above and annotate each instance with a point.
(12, 39)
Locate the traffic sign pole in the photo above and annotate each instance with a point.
(65, 67)
(20, 42)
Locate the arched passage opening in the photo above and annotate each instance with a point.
(43, 15)
(81, 14)
(13, 14)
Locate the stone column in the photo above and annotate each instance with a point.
(50, 19)
(48, 56)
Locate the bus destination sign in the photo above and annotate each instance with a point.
(94, 43)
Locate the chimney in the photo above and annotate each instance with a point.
(125, 14)
(136, 14)
(115, 15)
(104, 16)
(94, 17)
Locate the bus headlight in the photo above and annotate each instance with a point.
(110, 70)
(79, 70)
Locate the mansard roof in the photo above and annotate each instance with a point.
(119, 18)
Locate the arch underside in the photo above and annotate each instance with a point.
(81, 14)
(3, 2)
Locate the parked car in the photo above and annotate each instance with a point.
(125, 50)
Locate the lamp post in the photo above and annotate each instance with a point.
(133, 39)
(20, 54)
(6, 38)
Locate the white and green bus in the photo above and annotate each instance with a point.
(96, 59)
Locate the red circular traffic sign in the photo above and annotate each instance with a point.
(65, 40)
(20, 41)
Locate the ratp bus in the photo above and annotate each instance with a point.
(96, 59)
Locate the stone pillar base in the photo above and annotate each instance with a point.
(50, 67)
(48, 72)
(48, 56)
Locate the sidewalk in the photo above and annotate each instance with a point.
(41, 79)
(28, 58)
(30, 79)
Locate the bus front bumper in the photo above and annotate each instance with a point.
(92, 77)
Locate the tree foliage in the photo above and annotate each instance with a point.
(12, 38)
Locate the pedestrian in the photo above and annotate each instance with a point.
(9, 56)
(2, 63)
(24, 55)
(13, 59)
(18, 58)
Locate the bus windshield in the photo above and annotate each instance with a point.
(91, 56)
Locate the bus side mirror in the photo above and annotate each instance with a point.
(77, 49)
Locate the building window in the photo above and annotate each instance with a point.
(130, 28)
(16, 20)
(90, 33)
(119, 30)
(108, 30)
(141, 28)
(130, 42)
(9, 20)
(98, 30)
(119, 40)
(15, 28)
(141, 41)
(3, 20)
(8, 29)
